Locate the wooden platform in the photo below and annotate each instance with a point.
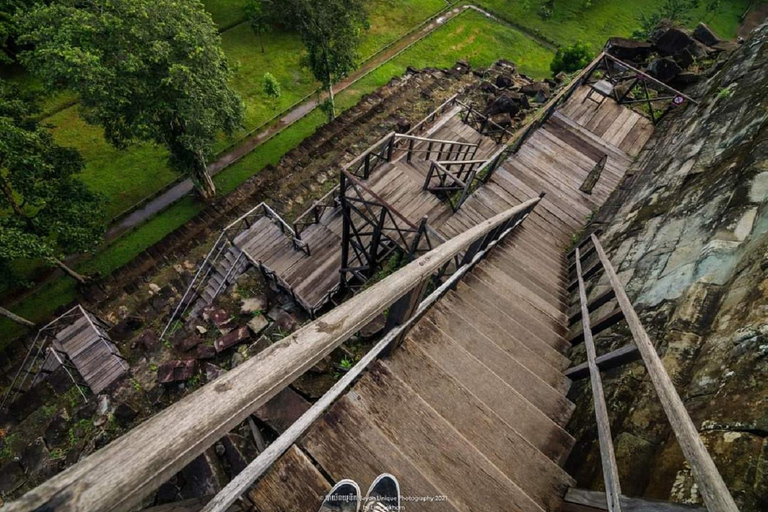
(470, 409)
(90, 350)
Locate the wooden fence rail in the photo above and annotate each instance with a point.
(713, 490)
(118, 476)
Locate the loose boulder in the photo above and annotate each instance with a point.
(664, 69)
(504, 81)
(673, 41)
(124, 414)
(706, 35)
(629, 49)
(232, 338)
(504, 104)
(176, 371)
(540, 91)
(503, 120)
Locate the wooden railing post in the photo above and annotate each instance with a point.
(607, 455)
(403, 310)
(713, 490)
(410, 150)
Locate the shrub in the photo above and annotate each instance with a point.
(571, 58)
(271, 85)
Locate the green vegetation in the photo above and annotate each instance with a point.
(571, 58)
(574, 21)
(271, 85)
(226, 13)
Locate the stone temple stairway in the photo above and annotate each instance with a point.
(469, 412)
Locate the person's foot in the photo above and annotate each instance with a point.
(383, 495)
(344, 497)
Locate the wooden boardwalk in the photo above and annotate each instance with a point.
(472, 406)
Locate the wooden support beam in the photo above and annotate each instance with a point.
(605, 322)
(599, 301)
(618, 357)
(596, 500)
(713, 490)
(607, 454)
(118, 476)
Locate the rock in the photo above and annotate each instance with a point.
(673, 41)
(503, 120)
(238, 452)
(664, 69)
(124, 414)
(726, 46)
(504, 104)
(699, 51)
(285, 321)
(205, 352)
(166, 493)
(687, 78)
(487, 87)
(238, 358)
(212, 372)
(283, 410)
(126, 327)
(504, 81)
(220, 319)
(255, 348)
(254, 305)
(11, 477)
(374, 327)
(148, 339)
(402, 126)
(629, 49)
(506, 64)
(186, 342)
(706, 35)
(232, 338)
(539, 90)
(57, 432)
(257, 324)
(158, 303)
(200, 329)
(561, 77)
(202, 476)
(684, 59)
(35, 458)
(153, 288)
(104, 405)
(176, 371)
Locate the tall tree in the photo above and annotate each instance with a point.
(149, 70)
(47, 210)
(331, 30)
(260, 19)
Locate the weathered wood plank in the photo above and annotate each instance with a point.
(618, 357)
(607, 454)
(713, 489)
(292, 483)
(595, 500)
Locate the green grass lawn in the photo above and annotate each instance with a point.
(226, 13)
(573, 21)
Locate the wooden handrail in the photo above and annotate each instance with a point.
(649, 78)
(439, 141)
(713, 490)
(348, 175)
(118, 476)
(607, 454)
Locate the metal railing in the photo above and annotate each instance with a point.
(713, 490)
(118, 476)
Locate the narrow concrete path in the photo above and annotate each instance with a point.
(248, 144)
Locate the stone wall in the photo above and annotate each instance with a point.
(688, 234)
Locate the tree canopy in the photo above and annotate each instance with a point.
(47, 211)
(260, 17)
(330, 30)
(571, 58)
(149, 70)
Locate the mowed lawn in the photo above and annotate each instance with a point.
(572, 21)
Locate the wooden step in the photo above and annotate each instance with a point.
(540, 478)
(347, 444)
(415, 428)
(549, 400)
(292, 483)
